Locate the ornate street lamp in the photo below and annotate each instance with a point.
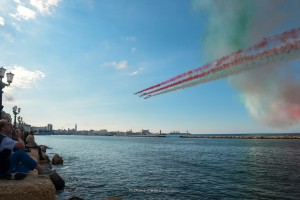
(20, 120)
(16, 111)
(10, 77)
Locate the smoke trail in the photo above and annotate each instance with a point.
(228, 26)
(241, 64)
(271, 98)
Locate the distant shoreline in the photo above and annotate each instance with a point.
(217, 136)
(142, 136)
(244, 137)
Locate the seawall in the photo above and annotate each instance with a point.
(33, 187)
(243, 137)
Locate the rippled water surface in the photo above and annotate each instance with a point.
(99, 167)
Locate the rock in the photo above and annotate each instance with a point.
(43, 148)
(45, 163)
(75, 198)
(58, 182)
(46, 156)
(33, 187)
(57, 160)
(114, 198)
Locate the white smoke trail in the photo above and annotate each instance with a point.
(236, 67)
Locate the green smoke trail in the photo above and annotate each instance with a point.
(232, 25)
(228, 24)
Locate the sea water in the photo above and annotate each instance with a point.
(100, 167)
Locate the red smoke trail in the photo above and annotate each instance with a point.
(266, 48)
(236, 68)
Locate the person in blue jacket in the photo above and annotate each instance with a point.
(14, 162)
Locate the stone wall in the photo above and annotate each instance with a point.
(33, 187)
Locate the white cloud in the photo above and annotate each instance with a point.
(133, 50)
(129, 38)
(24, 78)
(8, 37)
(26, 9)
(24, 13)
(122, 65)
(136, 72)
(44, 6)
(16, 26)
(2, 22)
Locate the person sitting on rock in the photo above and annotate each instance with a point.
(30, 140)
(16, 164)
(30, 143)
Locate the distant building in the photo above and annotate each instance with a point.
(145, 132)
(43, 129)
(39, 128)
(49, 127)
(26, 127)
(75, 127)
(103, 131)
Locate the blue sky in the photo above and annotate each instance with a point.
(80, 61)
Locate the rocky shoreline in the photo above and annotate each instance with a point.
(32, 187)
(243, 137)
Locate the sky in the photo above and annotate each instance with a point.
(81, 61)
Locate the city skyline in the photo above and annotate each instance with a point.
(80, 62)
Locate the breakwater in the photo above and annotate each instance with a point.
(32, 187)
(243, 137)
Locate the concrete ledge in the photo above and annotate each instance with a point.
(33, 187)
(243, 137)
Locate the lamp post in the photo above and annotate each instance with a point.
(16, 111)
(20, 120)
(10, 77)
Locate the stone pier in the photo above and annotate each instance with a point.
(33, 187)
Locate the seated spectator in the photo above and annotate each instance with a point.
(26, 133)
(16, 164)
(30, 142)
